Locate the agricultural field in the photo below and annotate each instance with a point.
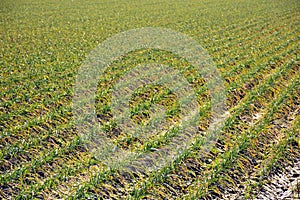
(255, 47)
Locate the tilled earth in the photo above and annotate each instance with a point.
(255, 46)
(283, 182)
